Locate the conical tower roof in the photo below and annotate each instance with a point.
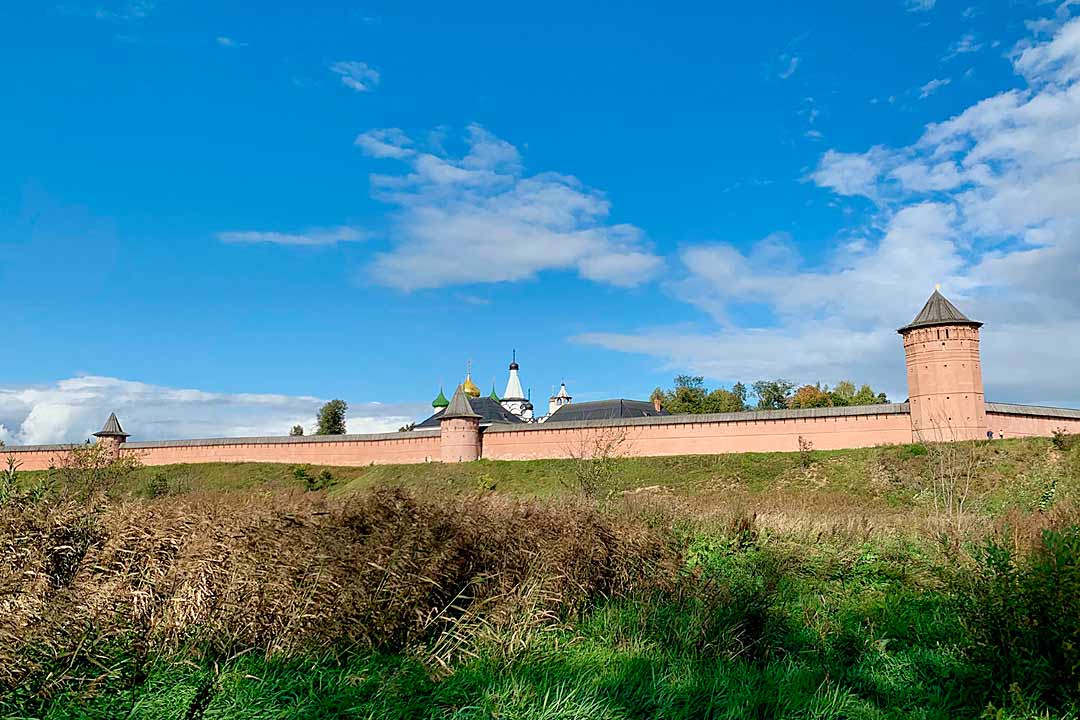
(459, 407)
(112, 428)
(440, 401)
(939, 311)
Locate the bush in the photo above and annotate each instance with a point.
(157, 485)
(1062, 440)
(1023, 614)
(312, 483)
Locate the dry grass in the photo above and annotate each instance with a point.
(290, 573)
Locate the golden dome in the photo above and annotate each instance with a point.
(469, 387)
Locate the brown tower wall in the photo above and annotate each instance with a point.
(945, 384)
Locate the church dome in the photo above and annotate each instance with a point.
(440, 401)
(469, 387)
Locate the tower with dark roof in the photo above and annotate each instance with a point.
(944, 373)
(459, 429)
(112, 436)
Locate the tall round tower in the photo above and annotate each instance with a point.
(459, 429)
(944, 373)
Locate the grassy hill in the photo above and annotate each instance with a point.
(894, 582)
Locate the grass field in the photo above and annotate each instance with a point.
(849, 584)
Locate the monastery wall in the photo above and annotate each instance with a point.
(760, 431)
(36, 457)
(1012, 421)
(343, 450)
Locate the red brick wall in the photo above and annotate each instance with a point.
(1009, 425)
(701, 438)
(340, 452)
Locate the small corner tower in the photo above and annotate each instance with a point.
(459, 428)
(944, 373)
(112, 436)
(514, 399)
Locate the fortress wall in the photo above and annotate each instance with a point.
(387, 448)
(737, 432)
(1012, 421)
(35, 457)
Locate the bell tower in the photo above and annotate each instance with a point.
(944, 373)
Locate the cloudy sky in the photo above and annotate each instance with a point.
(215, 216)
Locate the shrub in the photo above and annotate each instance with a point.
(1023, 614)
(9, 480)
(1062, 440)
(806, 452)
(157, 485)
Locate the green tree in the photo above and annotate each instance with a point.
(726, 401)
(691, 396)
(866, 396)
(843, 394)
(773, 394)
(296, 431)
(332, 418)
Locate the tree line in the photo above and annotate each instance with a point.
(690, 396)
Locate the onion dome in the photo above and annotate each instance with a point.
(494, 395)
(469, 387)
(440, 401)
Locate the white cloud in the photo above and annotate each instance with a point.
(920, 5)
(480, 218)
(984, 203)
(229, 42)
(359, 76)
(312, 236)
(385, 143)
(72, 409)
(789, 64)
(932, 87)
(850, 173)
(126, 11)
(964, 46)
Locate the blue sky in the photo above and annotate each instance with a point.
(215, 215)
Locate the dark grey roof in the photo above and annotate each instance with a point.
(459, 406)
(490, 412)
(1033, 411)
(604, 410)
(112, 428)
(749, 416)
(939, 311)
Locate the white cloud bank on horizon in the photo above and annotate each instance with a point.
(480, 218)
(986, 203)
(71, 410)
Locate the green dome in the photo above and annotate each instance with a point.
(441, 401)
(494, 395)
